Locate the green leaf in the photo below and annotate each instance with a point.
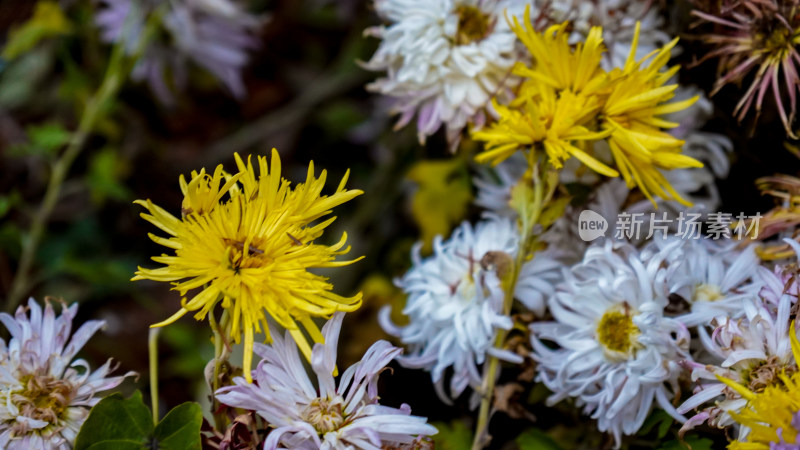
(693, 442)
(48, 137)
(10, 240)
(9, 201)
(47, 21)
(522, 200)
(553, 211)
(180, 428)
(658, 418)
(43, 140)
(536, 439)
(116, 422)
(105, 171)
(20, 81)
(452, 436)
(337, 118)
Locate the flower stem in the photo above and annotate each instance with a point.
(117, 71)
(530, 210)
(30, 244)
(221, 354)
(152, 349)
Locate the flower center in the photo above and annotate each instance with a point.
(241, 259)
(766, 374)
(43, 397)
(324, 415)
(616, 332)
(707, 293)
(473, 24)
(778, 42)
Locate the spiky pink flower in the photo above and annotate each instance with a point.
(757, 36)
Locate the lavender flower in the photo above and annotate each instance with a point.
(330, 416)
(213, 34)
(45, 396)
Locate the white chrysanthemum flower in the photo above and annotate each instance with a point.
(332, 416)
(45, 395)
(713, 278)
(455, 301)
(444, 59)
(751, 351)
(617, 352)
(214, 34)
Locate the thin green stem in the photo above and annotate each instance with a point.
(221, 354)
(152, 350)
(528, 219)
(116, 73)
(59, 173)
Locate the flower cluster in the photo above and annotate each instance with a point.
(568, 102)
(570, 113)
(246, 243)
(749, 345)
(622, 322)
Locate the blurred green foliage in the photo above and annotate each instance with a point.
(535, 439)
(48, 21)
(452, 436)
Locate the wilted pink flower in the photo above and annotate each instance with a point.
(760, 36)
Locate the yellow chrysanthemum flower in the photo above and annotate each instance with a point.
(632, 116)
(558, 64)
(555, 123)
(772, 415)
(567, 103)
(247, 242)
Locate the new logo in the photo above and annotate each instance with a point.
(591, 225)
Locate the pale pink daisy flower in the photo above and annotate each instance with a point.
(45, 393)
(331, 416)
